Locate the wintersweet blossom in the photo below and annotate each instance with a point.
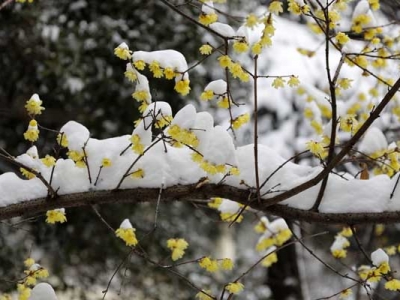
(127, 233)
(34, 105)
(345, 294)
(139, 64)
(122, 51)
(240, 46)
(278, 82)
(234, 287)
(106, 162)
(48, 161)
(27, 174)
(393, 285)
(130, 72)
(240, 121)
(32, 133)
(342, 38)
(137, 146)
(207, 19)
(206, 49)
(207, 95)
(139, 173)
(211, 265)
(56, 216)
(182, 87)
(226, 264)
(251, 21)
(178, 247)
(169, 73)
(276, 7)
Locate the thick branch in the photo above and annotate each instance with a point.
(187, 193)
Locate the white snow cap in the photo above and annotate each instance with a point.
(185, 117)
(223, 29)
(228, 206)
(218, 87)
(339, 243)
(379, 257)
(126, 224)
(35, 97)
(43, 291)
(374, 140)
(208, 8)
(77, 135)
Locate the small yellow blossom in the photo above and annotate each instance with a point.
(207, 95)
(33, 105)
(56, 215)
(27, 174)
(182, 87)
(178, 247)
(293, 81)
(275, 7)
(62, 140)
(207, 19)
(345, 294)
(127, 233)
(211, 265)
(226, 264)
(139, 64)
(206, 49)
(251, 21)
(234, 287)
(269, 260)
(339, 253)
(141, 95)
(215, 202)
(240, 46)
(139, 173)
(122, 51)
(154, 67)
(346, 232)
(225, 61)
(317, 149)
(106, 162)
(278, 82)
(393, 285)
(169, 73)
(342, 38)
(29, 262)
(48, 161)
(130, 73)
(344, 83)
(256, 49)
(224, 103)
(32, 133)
(240, 121)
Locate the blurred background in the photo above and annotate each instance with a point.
(63, 50)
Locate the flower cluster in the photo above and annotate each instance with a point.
(127, 233)
(56, 216)
(380, 266)
(275, 233)
(213, 265)
(234, 68)
(32, 133)
(182, 136)
(178, 247)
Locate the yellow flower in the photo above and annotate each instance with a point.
(278, 82)
(275, 7)
(156, 70)
(216, 202)
(33, 105)
(56, 215)
(139, 64)
(27, 174)
(206, 49)
(182, 87)
(251, 21)
(130, 73)
(226, 264)
(346, 232)
(240, 46)
(239, 121)
(211, 265)
(32, 133)
(348, 123)
(207, 95)
(106, 162)
(127, 233)
(393, 285)
(224, 102)
(225, 61)
(169, 73)
(236, 70)
(122, 51)
(48, 161)
(62, 140)
(342, 38)
(29, 262)
(293, 81)
(384, 268)
(141, 95)
(207, 19)
(203, 295)
(178, 247)
(374, 4)
(256, 49)
(234, 287)
(269, 260)
(345, 294)
(339, 253)
(344, 83)
(317, 149)
(139, 173)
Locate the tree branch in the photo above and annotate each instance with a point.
(188, 193)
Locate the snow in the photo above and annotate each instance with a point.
(43, 291)
(374, 140)
(126, 224)
(223, 29)
(166, 58)
(219, 87)
(379, 257)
